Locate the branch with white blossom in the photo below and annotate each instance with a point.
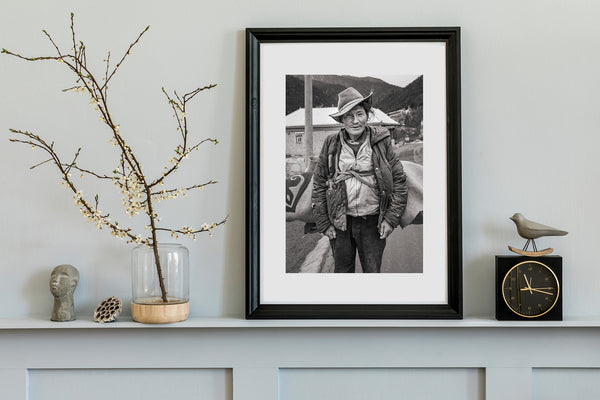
(138, 191)
(92, 213)
(174, 193)
(192, 232)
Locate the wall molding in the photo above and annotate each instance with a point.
(257, 351)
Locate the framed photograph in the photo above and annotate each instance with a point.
(353, 184)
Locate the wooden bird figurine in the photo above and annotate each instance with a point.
(531, 230)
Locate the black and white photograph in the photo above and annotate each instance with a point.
(354, 144)
(353, 173)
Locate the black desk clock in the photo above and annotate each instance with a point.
(529, 288)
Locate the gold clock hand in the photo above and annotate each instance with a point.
(538, 290)
(541, 291)
(528, 284)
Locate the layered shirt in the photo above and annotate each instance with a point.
(356, 168)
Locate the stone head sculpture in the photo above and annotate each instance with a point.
(63, 281)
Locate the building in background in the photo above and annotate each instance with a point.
(323, 126)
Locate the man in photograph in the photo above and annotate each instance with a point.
(359, 190)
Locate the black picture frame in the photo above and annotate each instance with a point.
(449, 37)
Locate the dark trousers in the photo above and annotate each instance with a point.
(361, 235)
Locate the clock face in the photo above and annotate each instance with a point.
(530, 289)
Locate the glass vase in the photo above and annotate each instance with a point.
(148, 301)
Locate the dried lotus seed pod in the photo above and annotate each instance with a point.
(108, 310)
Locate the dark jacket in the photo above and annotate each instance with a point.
(329, 199)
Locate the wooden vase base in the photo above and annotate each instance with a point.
(160, 313)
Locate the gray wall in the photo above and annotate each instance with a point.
(530, 119)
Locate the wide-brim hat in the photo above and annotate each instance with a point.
(347, 99)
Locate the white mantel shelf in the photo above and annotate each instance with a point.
(224, 323)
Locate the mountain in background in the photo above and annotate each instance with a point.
(386, 97)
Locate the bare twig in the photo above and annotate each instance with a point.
(52, 41)
(88, 172)
(42, 163)
(188, 96)
(69, 166)
(73, 35)
(106, 74)
(125, 55)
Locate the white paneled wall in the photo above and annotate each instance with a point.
(268, 361)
